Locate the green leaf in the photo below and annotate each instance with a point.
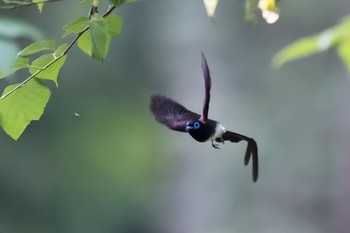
(304, 47)
(95, 42)
(21, 107)
(40, 4)
(338, 35)
(296, 50)
(84, 3)
(344, 53)
(51, 72)
(84, 43)
(100, 37)
(76, 26)
(20, 63)
(60, 50)
(38, 47)
(115, 24)
(117, 2)
(250, 9)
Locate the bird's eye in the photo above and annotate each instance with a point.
(196, 125)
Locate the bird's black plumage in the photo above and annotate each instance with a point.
(176, 117)
(172, 114)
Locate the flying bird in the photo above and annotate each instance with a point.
(176, 117)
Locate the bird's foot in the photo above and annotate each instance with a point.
(216, 146)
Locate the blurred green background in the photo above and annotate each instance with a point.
(115, 169)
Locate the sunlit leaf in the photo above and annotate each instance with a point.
(301, 48)
(336, 36)
(84, 43)
(60, 50)
(38, 47)
(210, 6)
(100, 37)
(20, 63)
(75, 26)
(40, 4)
(21, 107)
(306, 47)
(115, 24)
(341, 31)
(344, 53)
(51, 72)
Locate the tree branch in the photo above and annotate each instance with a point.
(109, 10)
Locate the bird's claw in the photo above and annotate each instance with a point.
(216, 146)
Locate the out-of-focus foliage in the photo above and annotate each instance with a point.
(10, 30)
(250, 10)
(210, 6)
(270, 11)
(337, 37)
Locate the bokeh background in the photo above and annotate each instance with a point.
(114, 169)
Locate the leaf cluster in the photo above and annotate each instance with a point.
(23, 102)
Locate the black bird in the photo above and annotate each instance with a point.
(177, 117)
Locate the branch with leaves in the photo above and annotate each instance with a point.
(23, 102)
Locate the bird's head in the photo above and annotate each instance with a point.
(197, 130)
(193, 125)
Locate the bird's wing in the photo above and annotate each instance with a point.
(207, 84)
(252, 150)
(170, 113)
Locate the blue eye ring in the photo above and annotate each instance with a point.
(196, 125)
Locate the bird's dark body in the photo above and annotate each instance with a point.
(176, 117)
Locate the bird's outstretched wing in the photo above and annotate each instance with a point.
(207, 84)
(252, 150)
(172, 114)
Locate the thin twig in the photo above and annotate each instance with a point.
(109, 10)
(30, 77)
